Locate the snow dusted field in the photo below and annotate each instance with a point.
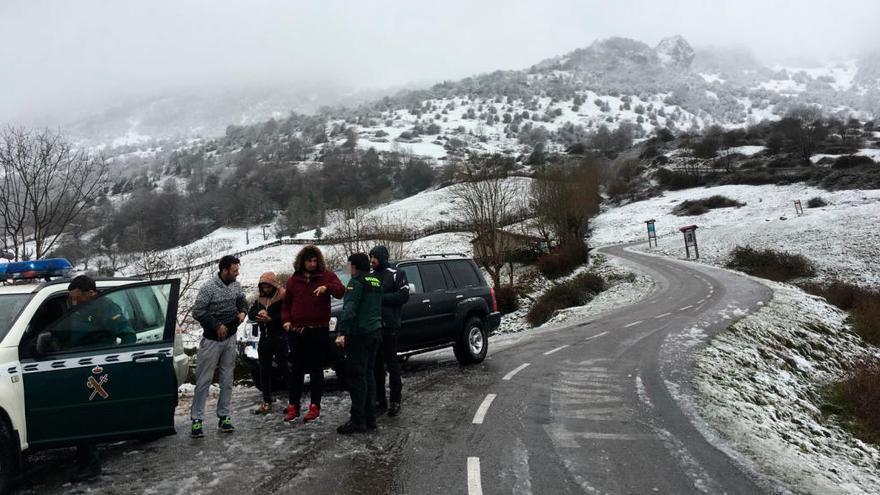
(759, 385)
(840, 238)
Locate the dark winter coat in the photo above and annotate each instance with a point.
(272, 305)
(395, 289)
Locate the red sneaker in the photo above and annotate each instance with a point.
(291, 413)
(314, 412)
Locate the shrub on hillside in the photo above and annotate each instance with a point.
(816, 202)
(673, 181)
(563, 261)
(701, 206)
(770, 264)
(862, 304)
(507, 298)
(575, 292)
(850, 161)
(859, 398)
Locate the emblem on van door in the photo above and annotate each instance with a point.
(97, 386)
(97, 370)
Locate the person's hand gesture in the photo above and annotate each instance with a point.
(320, 290)
(340, 341)
(222, 332)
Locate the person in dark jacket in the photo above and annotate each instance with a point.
(220, 307)
(395, 293)
(360, 328)
(305, 313)
(273, 345)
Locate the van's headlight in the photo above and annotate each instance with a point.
(333, 324)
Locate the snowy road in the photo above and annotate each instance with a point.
(597, 406)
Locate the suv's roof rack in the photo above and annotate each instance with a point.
(442, 255)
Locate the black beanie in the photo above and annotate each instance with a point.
(360, 261)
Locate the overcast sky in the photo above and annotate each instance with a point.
(58, 55)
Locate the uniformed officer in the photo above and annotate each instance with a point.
(98, 322)
(359, 332)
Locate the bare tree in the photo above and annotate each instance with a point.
(46, 184)
(487, 199)
(564, 197)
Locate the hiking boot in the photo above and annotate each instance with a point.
(197, 431)
(371, 424)
(225, 425)
(394, 410)
(265, 408)
(312, 414)
(291, 413)
(348, 428)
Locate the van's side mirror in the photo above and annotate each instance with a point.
(46, 343)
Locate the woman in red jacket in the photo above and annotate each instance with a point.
(306, 316)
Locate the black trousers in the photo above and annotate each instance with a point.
(309, 354)
(273, 348)
(360, 358)
(386, 358)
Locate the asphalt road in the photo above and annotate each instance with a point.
(590, 407)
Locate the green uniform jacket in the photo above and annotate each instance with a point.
(362, 306)
(99, 324)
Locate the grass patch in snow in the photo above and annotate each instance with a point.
(772, 265)
(690, 208)
(816, 202)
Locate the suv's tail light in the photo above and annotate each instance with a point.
(494, 301)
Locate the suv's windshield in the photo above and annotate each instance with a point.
(10, 306)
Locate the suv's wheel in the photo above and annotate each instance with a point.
(8, 466)
(473, 343)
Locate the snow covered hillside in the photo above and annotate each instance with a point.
(840, 238)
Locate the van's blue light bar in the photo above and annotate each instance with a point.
(50, 267)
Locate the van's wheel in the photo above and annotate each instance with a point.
(473, 343)
(8, 457)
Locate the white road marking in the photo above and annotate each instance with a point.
(595, 336)
(515, 371)
(555, 350)
(633, 323)
(686, 307)
(662, 316)
(483, 409)
(475, 486)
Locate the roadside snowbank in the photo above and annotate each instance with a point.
(758, 384)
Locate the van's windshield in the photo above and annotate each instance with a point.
(10, 307)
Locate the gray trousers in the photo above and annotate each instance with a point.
(211, 354)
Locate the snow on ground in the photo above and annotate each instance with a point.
(747, 150)
(759, 384)
(840, 238)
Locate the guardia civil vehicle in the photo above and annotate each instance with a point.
(56, 391)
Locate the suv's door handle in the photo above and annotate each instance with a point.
(152, 358)
(459, 296)
(426, 301)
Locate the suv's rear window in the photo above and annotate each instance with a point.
(10, 306)
(463, 273)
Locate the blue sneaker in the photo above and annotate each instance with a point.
(197, 431)
(225, 425)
